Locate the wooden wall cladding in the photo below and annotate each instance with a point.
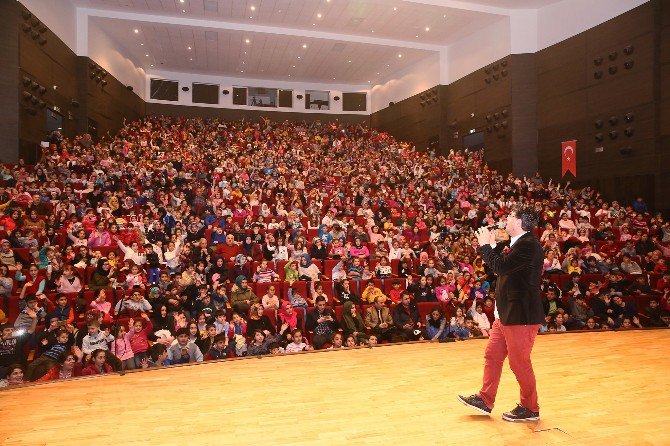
(9, 84)
(607, 71)
(46, 60)
(415, 119)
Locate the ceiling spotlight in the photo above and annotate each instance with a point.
(445, 16)
(184, 11)
(319, 15)
(333, 78)
(147, 55)
(245, 52)
(349, 61)
(388, 65)
(368, 82)
(395, 8)
(247, 41)
(151, 65)
(399, 55)
(304, 45)
(189, 47)
(427, 28)
(182, 1)
(313, 24)
(293, 66)
(416, 36)
(373, 30)
(137, 31)
(253, 8)
(191, 59)
(141, 44)
(298, 57)
(241, 71)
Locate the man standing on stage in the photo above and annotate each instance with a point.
(518, 315)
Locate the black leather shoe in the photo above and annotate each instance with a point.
(520, 414)
(476, 403)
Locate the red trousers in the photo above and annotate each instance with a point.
(515, 342)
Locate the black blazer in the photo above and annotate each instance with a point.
(519, 275)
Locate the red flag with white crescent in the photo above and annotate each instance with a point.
(569, 157)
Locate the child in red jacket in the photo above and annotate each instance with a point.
(138, 339)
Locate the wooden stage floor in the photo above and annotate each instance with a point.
(595, 388)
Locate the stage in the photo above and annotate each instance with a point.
(595, 388)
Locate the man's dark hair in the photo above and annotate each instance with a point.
(320, 299)
(528, 216)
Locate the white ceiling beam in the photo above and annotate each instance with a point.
(245, 27)
(464, 5)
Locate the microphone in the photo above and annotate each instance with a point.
(499, 225)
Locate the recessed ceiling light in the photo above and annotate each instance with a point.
(399, 55)
(416, 36)
(373, 30)
(147, 55)
(247, 40)
(427, 28)
(189, 47)
(253, 8)
(151, 65)
(369, 82)
(141, 44)
(293, 66)
(182, 1)
(251, 17)
(191, 59)
(377, 73)
(333, 78)
(304, 45)
(313, 24)
(395, 8)
(137, 31)
(298, 57)
(289, 75)
(388, 65)
(445, 16)
(319, 15)
(184, 11)
(244, 63)
(241, 71)
(349, 61)
(245, 52)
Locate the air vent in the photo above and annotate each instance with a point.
(211, 6)
(211, 36)
(339, 47)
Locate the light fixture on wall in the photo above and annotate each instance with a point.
(226, 92)
(336, 98)
(185, 89)
(299, 96)
(629, 117)
(629, 64)
(612, 56)
(613, 69)
(628, 50)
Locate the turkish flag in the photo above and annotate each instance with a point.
(569, 157)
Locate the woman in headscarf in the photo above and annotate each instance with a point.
(308, 270)
(352, 323)
(287, 321)
(103, 276)
(241, 268)
(242, 297)
(218, 272)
